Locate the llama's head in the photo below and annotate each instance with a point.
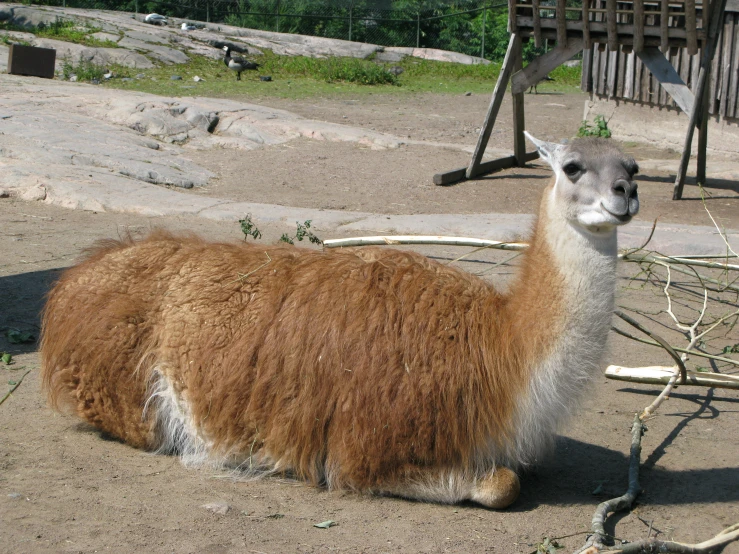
(594, 187)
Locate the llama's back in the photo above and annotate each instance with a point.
(329, 364)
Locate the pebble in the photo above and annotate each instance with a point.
(15, 495)
(197, 79)
(175, 78)
(140, 75)
(220, 508)
(95, 82)
(73, 79)
(468, 94)
(266, 78)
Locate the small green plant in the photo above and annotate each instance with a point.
(302, 232)
(731, 349)
(547, 546)
(15, 336)
(598, 129)
(6, 357)
(85, 70)
(249, 228)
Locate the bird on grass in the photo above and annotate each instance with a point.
(237, 63)
(533, 87)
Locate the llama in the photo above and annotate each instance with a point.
(373, 370)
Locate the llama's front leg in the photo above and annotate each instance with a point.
(496, 489)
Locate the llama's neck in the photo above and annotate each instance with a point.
(561, 308)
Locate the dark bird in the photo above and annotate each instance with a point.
(237, 63)
(533, 87)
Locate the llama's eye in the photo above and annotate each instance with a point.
(572, 169)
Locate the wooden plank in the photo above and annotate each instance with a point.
(717, 8)
(700, 174)
(514, 49)
(602, 74)
(561, 23)
(637, 78)
(684, 70)
(715, 74)
(667, 76)
(456, 175)
(621, 74)
(646, 84)
(611, 24)
(638, 25)
(586, 24)
(629, 76)
(598, 31)
(663, 25)
(586, 79)
(727, 49)
(596, 68)
(734, 84)
(541, 66)
(694, 70)
(690, 30)
(519, 125)
(612, 68)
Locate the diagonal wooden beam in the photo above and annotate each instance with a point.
(541, 66)
(514, 49)
(668, 77)
(709, 49)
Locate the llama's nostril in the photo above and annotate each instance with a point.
(623, 188)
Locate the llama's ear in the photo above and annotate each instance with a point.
(547, 150)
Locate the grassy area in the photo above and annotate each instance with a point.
(62, 29)
(301, 77)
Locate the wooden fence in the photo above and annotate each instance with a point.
(620, 74)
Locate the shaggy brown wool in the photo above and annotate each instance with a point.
(366, 364)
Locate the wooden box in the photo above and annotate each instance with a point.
(31, 60)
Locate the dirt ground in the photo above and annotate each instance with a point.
(66, 488)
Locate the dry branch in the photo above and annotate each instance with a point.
(422, 239)
(661, 375)
(599, 537)
(647, 546)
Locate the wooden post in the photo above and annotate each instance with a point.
(561, 23)
(700, 174)
(514, 48)
(611, 25)
(586, 25)
(537, 23)
(664, 28)
(690, 36)
(638, 25)
(519, 140)
(709, 50)
(482, 38)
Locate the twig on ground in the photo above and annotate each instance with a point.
(647, 546)
(676, 348)
(598, 539)
(17, 384)
(662, 342)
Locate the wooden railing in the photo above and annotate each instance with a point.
(636, 24)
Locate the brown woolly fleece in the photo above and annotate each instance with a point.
(356, 368)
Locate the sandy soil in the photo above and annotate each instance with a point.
(66, 488)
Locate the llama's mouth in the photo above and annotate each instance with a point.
(631, 209)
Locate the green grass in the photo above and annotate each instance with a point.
(62, 29)
(85, 70)
(303, 77)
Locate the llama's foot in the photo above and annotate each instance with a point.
(497, 490)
